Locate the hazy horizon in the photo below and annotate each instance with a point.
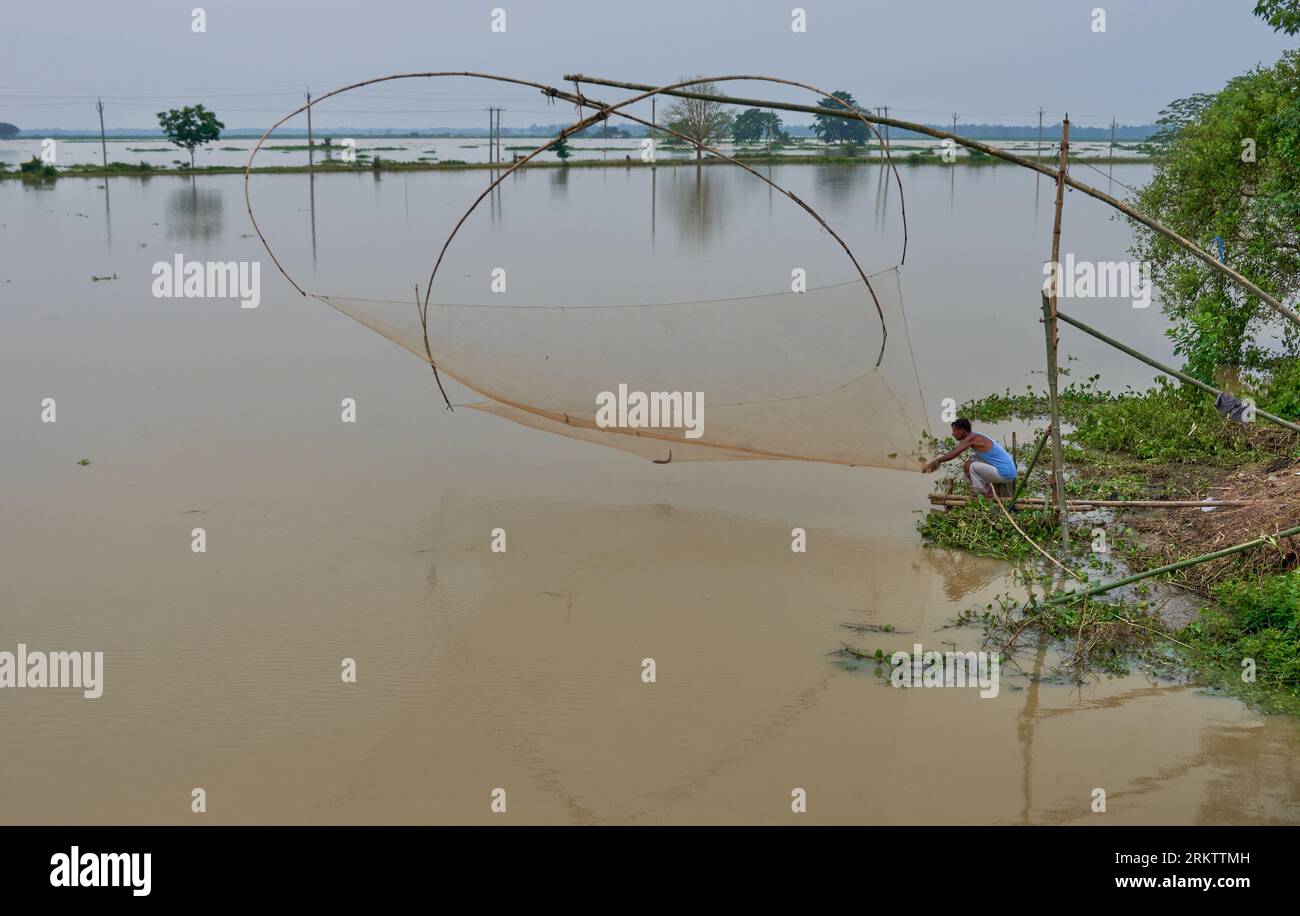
(982, 68)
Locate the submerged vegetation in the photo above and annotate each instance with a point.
(1233, 621)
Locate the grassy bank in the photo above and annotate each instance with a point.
(328, 166)
(1232, 623)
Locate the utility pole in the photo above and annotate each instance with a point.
(1040, 133)
(1049, 328)
(886, 126)
(491, 126)
(311, 156)
(103, 146)
(1112, 143)
(954, 122)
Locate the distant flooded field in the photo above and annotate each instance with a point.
(523, 670)
(292, 151)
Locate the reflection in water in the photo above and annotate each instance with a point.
(838, 187)
(311, 183)
(194, 214)
(654, 189)
(559, 183)
(882, 198)
(962, 573)
(108, 218)
(1025, 733)
(698, 202)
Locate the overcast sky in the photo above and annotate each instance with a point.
(989, 60)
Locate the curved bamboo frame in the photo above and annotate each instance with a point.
(603, 113)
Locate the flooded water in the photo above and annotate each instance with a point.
(292, 151)
(523, 670)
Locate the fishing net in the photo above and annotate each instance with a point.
(789, 376)
(823, 375)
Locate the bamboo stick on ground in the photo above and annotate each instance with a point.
(1173, 567)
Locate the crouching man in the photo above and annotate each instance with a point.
(988, 464)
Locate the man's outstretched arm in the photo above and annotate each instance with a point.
(961, 447)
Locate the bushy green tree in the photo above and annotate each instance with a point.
(840, 130)
(190, 127)
(753, 125)
(1282, 15)
(1228, 168)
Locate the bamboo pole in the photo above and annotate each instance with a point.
(103, 144)
(994, 151)
(1033, 459)
(311, 159)
(1037, 502)
(1181, 376)
(1049, 330)
(1173, 567)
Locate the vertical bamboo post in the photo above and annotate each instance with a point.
(311, 157)
(1112, 143)
(103, 144)
(1049, 329)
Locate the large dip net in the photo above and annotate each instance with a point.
(823, 375)
(807, 387)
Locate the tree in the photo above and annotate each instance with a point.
(35, 168)
(1179, 114)
(561, 149)
(699, 120)
(1282, 15)
(190, 127)
(753, 125)
(1229, 170)
(840, 130)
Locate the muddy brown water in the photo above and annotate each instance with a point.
(523, 671)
